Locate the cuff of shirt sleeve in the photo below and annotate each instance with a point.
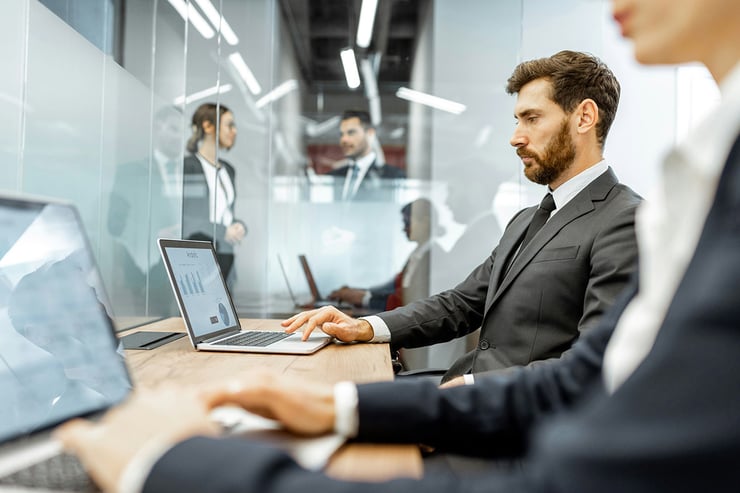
(137, 471)
(346, 418)
(469, 379)
(381, 333)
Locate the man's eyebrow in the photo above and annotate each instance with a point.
(526, 113)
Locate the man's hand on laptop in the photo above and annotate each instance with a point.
(332, 322)
(302, 407)
(349, 295)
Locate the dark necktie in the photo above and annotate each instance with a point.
(539, 219)
(350, 181)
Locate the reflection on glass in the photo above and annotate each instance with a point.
(210, 184)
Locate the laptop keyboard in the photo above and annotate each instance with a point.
(254, 338)
(60, 472)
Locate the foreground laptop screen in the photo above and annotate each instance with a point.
(202, 291)
(58, 356)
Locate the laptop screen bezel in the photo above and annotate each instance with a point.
(165, 243)
(40, 203)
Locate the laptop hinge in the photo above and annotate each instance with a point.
(220, 336)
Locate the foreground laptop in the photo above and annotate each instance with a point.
(208, 310)
(59, 356)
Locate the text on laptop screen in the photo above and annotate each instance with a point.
(202, 291)
(58, 356)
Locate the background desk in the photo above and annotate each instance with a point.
(177, 362)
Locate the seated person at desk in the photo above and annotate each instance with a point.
(363, 169)
(646, 402)
(540, 289)
(412, 283)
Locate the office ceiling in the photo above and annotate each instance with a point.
(319, 29)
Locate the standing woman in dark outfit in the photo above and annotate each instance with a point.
(209, 190)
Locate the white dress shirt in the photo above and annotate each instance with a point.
(220, 187)
(363, 165)
(668, 227)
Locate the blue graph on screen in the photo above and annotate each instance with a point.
(190, 283)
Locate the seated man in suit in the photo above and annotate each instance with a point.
(539, 289)
(412, 283)
(645, 402)
(363, 169)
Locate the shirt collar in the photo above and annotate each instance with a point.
(365, 161)
(565, 192)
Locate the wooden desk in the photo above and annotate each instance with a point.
(178, 362)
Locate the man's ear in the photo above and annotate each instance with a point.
(587, 114)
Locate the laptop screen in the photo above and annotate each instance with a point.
(59, 356)
(199, 286)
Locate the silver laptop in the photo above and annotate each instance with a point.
(208, 310)
(59, 356)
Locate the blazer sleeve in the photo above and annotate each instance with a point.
(442, 317)
(239, 465)
(495, 416)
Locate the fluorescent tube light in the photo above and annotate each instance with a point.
(203, 94)
(429, 100)
(187, 11)
(218, 21)
(350, 68)
(365, 25)
(245, 73)
(277, 93)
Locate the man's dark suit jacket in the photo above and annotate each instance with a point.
(196, 204)
(565, 279)
(672, 425)
(385, 171)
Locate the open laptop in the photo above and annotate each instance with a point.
(59, 357)
(208, 310)
(317, 300)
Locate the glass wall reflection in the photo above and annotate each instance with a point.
(273, 171)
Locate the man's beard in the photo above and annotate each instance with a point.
(557, 157)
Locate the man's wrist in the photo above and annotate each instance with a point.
(346, 419)
(366, 331)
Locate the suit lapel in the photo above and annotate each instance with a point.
(581, 204)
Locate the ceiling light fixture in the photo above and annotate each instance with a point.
(429, 100)
(277, 93)
(365, 24)
(187, 11)
(371, 90)
(203, 94)
(350, 68)
(218, 21)
(245, 73)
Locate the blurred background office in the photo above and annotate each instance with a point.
(85, 81)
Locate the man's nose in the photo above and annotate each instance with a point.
(518, 138)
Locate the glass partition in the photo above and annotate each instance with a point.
(104, 120)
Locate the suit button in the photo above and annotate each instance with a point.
(483, 345)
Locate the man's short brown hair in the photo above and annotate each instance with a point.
(574, 76)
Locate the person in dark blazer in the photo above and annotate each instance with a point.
(645, 402)
(533, 301)
(363, 170)
(209, 185)
(420, 222)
